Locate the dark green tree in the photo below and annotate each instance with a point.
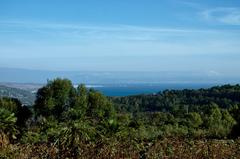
(99, 107)
(54, 98)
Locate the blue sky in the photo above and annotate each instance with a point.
(123, 35)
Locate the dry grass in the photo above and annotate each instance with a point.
(165, 148)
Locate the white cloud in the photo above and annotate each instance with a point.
(69, 26)
(190, 3)
(121, 32)
(230, 16)
(213, 73)
(43, 39)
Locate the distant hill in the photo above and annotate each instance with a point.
(26, 97)
(15, 75)
(32, 87)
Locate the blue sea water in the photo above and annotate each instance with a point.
(135, 89)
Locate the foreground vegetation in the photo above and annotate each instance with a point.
(68, 122)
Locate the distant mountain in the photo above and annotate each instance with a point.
(26, 97)
(30, 87)
(12, 75)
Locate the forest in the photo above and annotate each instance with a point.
(69, 122)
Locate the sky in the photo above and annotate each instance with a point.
(123, 35)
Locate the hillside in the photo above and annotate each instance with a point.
(26, 97)
(187, 100)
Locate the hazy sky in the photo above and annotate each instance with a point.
(121, 35)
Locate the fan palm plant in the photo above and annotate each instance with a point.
(8, 129)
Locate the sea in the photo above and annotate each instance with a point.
(136, 89)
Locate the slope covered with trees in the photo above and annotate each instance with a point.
(82, 123)
(226, 96)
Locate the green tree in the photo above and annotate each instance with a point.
(214, 122)
(228, 121)
(235, 112)
(219, 123)
(194, 120)
(11, 104)
(54, 98)
(99, 107)
(80, 101)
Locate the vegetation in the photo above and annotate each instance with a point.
(26, 97)
(68, 122)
